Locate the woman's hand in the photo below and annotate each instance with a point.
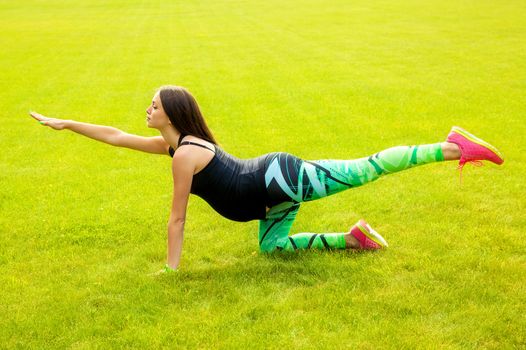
(166, 271)
(57, 124)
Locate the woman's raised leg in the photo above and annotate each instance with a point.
(289, 178)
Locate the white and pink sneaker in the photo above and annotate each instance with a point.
(367, 237)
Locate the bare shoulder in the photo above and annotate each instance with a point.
(194, 156)
(183, 155)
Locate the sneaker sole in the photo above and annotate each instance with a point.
(371, 234)
(476, 140)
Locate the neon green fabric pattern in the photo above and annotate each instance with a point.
(322, 178)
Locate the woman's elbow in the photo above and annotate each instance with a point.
(176, 221)
(115, 138)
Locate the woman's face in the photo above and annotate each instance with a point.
(155, 115)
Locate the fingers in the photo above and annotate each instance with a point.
(43, 120)
(37, 116)
(163, 272)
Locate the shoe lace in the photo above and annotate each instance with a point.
(475, 163)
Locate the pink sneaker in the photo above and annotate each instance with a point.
(473, 149)
(367, 237)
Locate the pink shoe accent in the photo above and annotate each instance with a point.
(365, 235)
(473, 149)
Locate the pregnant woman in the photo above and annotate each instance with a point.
(269, 188)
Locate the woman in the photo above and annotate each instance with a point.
(269, 188)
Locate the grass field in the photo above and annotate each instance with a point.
(82, 224)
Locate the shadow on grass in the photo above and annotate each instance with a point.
(291, 269)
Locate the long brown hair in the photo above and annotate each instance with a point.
(184, 113)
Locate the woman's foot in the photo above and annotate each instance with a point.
(362, 236)
(471, 148)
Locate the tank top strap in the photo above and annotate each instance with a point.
(181, 139)
(197, 144)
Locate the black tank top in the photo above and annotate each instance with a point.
(234, 187)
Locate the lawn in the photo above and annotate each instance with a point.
(83, 224)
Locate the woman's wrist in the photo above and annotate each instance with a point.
(67, 123)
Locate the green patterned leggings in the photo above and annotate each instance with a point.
(290, 181)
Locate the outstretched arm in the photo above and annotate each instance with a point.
(107, 134)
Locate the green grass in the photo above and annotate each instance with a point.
(83, 224)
